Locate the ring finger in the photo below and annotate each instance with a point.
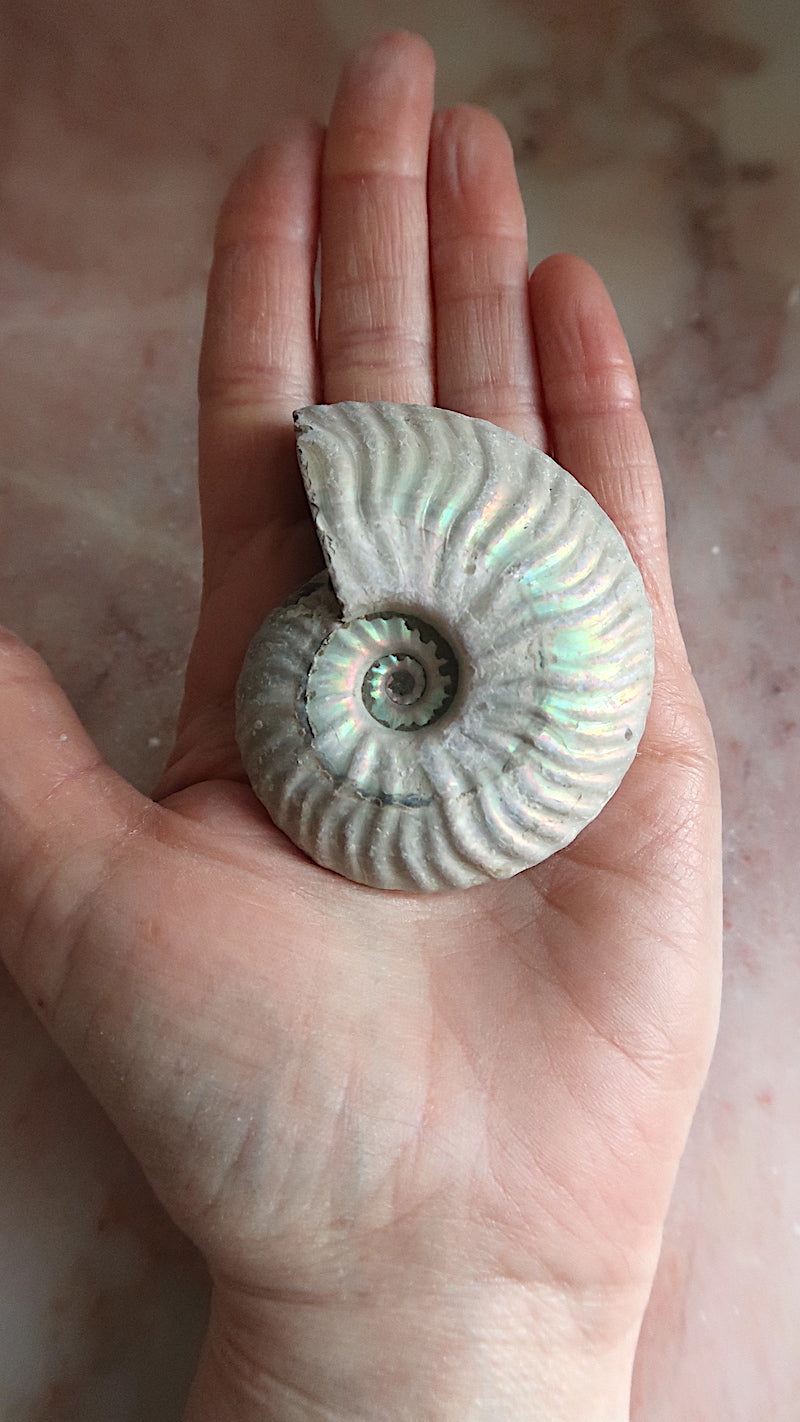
(479, 261)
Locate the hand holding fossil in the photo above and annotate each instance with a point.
(425, 1143)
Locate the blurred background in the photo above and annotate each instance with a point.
(661, 140)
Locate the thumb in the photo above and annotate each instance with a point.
(64, 814)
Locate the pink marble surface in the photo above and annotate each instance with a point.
(659, 138)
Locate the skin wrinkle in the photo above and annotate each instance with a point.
(231, 1170)
(410, 352)
(369, 183)
(240, 247)
(489, 294)
(495, 326)
(27, 930)
(71, 924)
(627, 876)
(640, 912)
(481, 254)
(604, 398)
(650, 1064)
(686, 755)
(239, 235)
(242, 392)
(251, 374)
(502, 397)
(250, 1376)
(95, 767)
(667, 1029)
(579, 392)
(377, 285)
(564, 1210)
(624, 1274)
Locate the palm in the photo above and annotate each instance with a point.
(304, 1065)
(350, 1059)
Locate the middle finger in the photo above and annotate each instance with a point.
(375, 315)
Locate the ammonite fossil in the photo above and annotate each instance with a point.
(464, 689)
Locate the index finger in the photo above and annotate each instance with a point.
(258, 364)
(258, 360)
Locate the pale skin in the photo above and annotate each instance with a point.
(426, 1144)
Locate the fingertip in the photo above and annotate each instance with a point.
(9, 644)
(472, 168)
(567, 283)
(275, 173)
(584, 358)
(470, 125)
(566, 270)
(383, 107)
(380, 56)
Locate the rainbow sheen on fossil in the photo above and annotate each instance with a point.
(465, 687)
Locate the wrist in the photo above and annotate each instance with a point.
(503, 1353)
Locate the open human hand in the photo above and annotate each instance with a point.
(425, 1144)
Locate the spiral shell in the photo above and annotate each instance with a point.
(465, 688)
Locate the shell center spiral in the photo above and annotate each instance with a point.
(397, 678)
(413, 681)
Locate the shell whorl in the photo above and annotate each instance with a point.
(465, 688)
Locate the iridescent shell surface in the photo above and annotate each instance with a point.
(465, 688)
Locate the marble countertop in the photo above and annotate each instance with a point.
(662, 142)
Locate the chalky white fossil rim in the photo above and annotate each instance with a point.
(472, 564)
